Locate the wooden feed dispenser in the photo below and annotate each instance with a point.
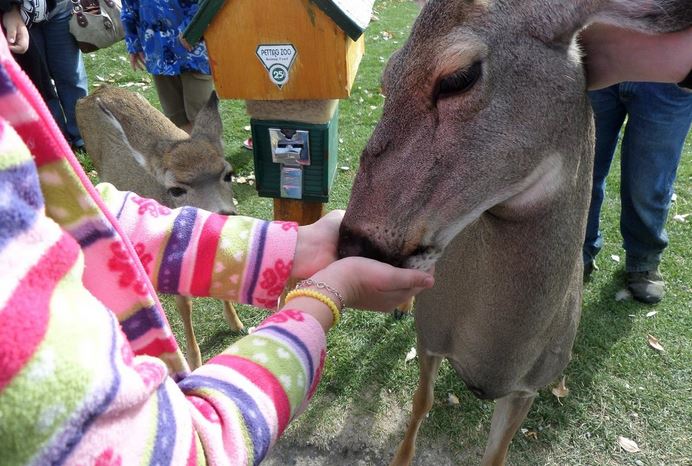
(290, 60)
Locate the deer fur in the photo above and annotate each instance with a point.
(136, 148)
(491, 186)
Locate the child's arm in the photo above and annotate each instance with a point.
(75, 392)
(196, 253)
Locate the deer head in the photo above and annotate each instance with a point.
(194, 170)
(191, 168)
(485, 111)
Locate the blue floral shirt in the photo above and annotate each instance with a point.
(153, 27)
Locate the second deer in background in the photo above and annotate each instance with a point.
(136, 148)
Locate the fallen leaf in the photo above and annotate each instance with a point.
(651, 313)
(251, 330)
(452, 399)
(100, 78)
(410, 355)
(628, 445)
(246, 128)
(674, 197)
(241, 180)
(344, 168)
(530, 434)
(653, 342)
(680, 217)
(623, 295)
(561, 390)
(615, 258)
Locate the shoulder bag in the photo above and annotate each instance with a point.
(96, 24)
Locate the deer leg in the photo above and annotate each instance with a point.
(422, 403)
(403, 309)
(232, 318)
(184, 305)
(510, 412)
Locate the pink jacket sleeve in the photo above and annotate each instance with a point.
(192, 252)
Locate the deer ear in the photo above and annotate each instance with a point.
(560, 24)
(208, 121)
(114, 132)
(652, 16)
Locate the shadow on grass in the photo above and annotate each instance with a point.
(366, 369)
(604, 323)
(366, 353)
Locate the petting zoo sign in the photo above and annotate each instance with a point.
(277, 59)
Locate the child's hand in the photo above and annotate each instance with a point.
(316, 246)
(137, 61)
(369, 284)
(16, 32)
(185, 43)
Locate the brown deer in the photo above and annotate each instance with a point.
(136, 148)
(484, 152)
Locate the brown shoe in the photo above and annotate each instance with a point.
(647, 287)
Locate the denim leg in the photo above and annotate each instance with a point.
(38, 38)
(659, 117)
(66, 67)
(609, 114)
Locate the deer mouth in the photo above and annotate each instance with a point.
(422, 257)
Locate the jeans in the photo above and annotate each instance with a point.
(658, 119)
(66, 67)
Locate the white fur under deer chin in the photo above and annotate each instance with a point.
(423, 262)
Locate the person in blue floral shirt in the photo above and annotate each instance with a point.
(182, 78)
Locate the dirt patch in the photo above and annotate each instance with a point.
(352, 435)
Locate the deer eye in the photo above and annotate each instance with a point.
(228, 177)
(176, 192)
(460, 81)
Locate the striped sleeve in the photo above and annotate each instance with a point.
(76, 393)
(193, 252)
(246, 396)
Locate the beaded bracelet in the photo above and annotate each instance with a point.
(318, 296)
(321, 285)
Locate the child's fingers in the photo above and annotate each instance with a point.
(408, 279)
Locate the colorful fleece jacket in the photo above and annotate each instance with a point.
(90, 373)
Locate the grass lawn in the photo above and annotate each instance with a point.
(619, 386)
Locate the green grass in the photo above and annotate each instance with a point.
(618, 385)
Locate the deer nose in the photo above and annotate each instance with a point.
(355, 244)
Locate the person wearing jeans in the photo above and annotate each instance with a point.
(658, 119)
(61, 53)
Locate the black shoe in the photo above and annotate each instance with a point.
(589, 267)
(647, 287)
